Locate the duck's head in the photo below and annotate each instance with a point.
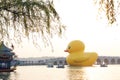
(75, 46)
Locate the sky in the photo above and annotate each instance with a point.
(80, 17)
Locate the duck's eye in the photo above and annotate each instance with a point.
(69, 47)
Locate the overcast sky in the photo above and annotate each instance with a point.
(80, 17)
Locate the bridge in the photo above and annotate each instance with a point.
(108, 60)
(62, 60)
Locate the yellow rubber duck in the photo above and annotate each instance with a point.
(77, 56)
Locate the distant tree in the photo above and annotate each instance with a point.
(32, 19)
(110, 8)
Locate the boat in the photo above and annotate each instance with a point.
(60, 66)
(103, 64)
(49, 65)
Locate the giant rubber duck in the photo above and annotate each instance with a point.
(77, 56)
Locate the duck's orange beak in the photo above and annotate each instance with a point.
(65, 50)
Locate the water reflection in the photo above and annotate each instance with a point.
(4, 75)
(68, 73)
(8, 75)
(76, 73)
(14, 76)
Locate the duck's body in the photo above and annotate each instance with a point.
(87, 59)
(78, 57)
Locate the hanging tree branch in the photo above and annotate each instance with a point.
(29, 18)
(108, 6)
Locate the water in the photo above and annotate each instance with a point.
(68, 73)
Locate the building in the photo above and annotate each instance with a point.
(6, 58)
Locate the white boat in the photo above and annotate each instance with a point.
(103, 64)
(50, 65)
(60, 66)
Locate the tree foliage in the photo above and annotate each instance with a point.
(38, 19)
(34, 19)
(111, 9)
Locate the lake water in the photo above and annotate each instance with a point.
(112, 72)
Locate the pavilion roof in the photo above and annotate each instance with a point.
(4, 48)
